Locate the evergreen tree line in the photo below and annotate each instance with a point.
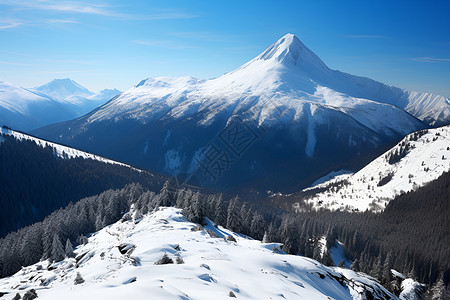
(411, 235)
(35, 181)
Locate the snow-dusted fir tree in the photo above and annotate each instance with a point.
(69, 249)
(355, 265)
(439, 291)
(233, 216)
(258, 226)
(58, 252)
(220, 213)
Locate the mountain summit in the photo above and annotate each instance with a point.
(290, 50)
(303, 119)
(78, 99)
(62, 89)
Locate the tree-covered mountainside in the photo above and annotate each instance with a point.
(35, 181)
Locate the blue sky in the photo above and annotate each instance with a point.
(106, 44)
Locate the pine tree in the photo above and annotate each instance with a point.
(355, 265)
(387, 266)
(378, 266)
(57, 253)
(69, 249)
(220, 216)
(438, 291)
(165, 195)
(99, 222)
(233, 217)
(257, 228)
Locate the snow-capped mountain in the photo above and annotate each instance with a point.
(419, 158)
(124, 260)
(57, 101)
(286, 74)
(299, 119)
(64, 89)
(75, 97)
(25, 110)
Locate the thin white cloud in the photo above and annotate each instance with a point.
(164, 44)
(15, 63)
(430, 59)
(67, 61)
(8, 24)
(61, 21)
(90, 8)
(64, 72)
(363, 36)
(205, 36)
(166, 16)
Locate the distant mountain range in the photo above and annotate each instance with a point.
(57, 101)
(278, 122)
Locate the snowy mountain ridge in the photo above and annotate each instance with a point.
(75, 97)
(60, 100)
(416, 160)
(60, 150)
(23, 108)
(284, 76)
(125, 260)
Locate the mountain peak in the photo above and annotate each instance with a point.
(63, 88)
(289, 50)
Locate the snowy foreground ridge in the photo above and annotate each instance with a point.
(416, 160)
(119, 263)
(60, 150)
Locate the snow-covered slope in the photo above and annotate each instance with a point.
(119, 262)
(104, 94)
(301, 124)
(418, 159)
(60, 150)
(24, 109)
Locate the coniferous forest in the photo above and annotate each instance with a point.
(35, 181)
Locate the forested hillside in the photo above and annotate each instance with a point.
(35, 181)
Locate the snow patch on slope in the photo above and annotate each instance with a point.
(330, 176)
(337, 253)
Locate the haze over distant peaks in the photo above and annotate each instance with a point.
(61, 89)
(56, 101)
(24, 109)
